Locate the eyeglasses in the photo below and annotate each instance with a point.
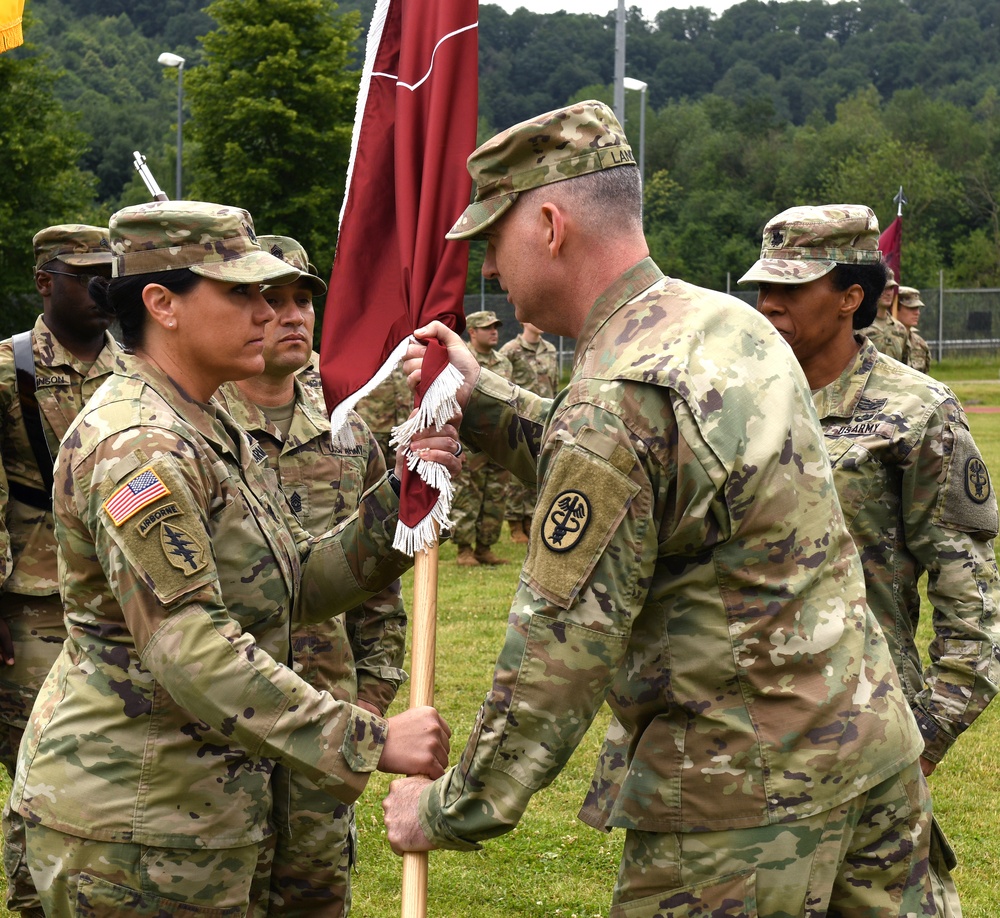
(82, 279)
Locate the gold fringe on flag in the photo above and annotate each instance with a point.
(11, 35)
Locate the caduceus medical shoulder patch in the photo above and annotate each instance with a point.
(566, 521)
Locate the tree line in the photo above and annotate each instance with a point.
(750, 111)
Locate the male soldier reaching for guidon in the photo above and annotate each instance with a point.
(357, 656)
(913, 486)
(46, 376)
(689, 564)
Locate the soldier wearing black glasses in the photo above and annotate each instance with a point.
(46, 377)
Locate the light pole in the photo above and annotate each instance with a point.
(641, 87)
(175, 60)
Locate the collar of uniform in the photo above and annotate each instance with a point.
(201, 417)
(839, 399)
(49, 352)
(624, 288)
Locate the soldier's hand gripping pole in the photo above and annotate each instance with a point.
(140, 166)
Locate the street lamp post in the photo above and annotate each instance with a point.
(175, 60)
(641, 88)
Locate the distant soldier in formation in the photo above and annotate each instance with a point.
(536, 368)
(912, 483)
(887, 333)
(477, 511)
(908, 313)
(46, 376)
(385, 407)
(356, 656)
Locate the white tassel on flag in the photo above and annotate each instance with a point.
(438, 406)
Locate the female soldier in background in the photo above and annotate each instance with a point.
(144, 777)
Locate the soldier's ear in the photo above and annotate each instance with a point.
(161, 304)
(852, 299)
(43, 282)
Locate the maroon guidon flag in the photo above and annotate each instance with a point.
(889, 243)
(393, 270)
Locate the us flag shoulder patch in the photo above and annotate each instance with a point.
(139, 491)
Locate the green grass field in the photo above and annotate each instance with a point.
(552, 864)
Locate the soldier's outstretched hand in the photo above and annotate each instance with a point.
(459, 356)
(400, 812)
(417, 743)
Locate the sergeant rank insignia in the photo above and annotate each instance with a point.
(566, 521)
(977, 480)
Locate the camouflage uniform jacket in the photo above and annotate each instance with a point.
(920, 352)
(495, 361)
(916, 496)
(889, 335)
(533, 366)
(63, 385)
(162, 718)
(388, 404)
(359, 654)
(689, 564)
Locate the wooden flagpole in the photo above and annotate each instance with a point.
(424, 648)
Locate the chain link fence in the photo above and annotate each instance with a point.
(956, 322)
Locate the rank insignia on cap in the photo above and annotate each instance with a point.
(139, 491)
(566, 521)
(182, 549)
(977, 480)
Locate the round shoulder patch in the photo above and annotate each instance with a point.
(567, 520)
(977, 480)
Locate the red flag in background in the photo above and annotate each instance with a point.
(406, 185)
(889, 244)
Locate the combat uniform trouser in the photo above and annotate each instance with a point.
(942, 862)
(866, 858)
(97, 879)
(520, 501)
(314, 851)
(478, 506)
(38, 632)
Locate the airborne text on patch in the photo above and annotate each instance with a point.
(156, 516)
(566, 521)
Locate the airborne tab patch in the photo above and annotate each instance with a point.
(139, 491)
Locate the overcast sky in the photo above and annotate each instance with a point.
(649, 7)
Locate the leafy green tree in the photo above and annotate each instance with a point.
(40, 146)
(272, 111)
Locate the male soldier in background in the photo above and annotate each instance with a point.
(689, 564)
(355, 657)
(913, 487)
(908, 313)
(388, 405)
(481, 487)
(886, 332)
(65, 357)
(535, 367)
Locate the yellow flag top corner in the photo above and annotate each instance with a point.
(11, 35)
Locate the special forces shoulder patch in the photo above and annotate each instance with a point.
(144, 487)
(182, 549)
(567, 520)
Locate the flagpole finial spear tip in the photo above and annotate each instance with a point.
(900, 200)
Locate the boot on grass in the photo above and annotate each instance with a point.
(466, 557)
(484, 555)
(517, 533)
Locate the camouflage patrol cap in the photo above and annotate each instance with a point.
(909, 298)
(74, 244)
(802, 244)
(290, 252)
(890, 278)
(562, 144)
(485, 318)
(212, 240)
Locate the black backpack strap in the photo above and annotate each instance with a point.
(24, 365)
